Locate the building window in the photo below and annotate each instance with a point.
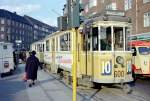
(13, 23)
(12, 37)
(111, 6)
(128, 4)
(145, 1)
(2, 29)
(8, 30)
(92, 3)
(35, 26)
(2, 36)
(2, 21)
(8, 22)
(86, 8)
(147, 19)
(8, 38)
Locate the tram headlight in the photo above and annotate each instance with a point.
(120, 60)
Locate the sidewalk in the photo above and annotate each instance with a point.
(46, 89)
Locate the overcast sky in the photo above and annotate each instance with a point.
(43, 10)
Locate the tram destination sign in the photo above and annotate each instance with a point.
(115, 13)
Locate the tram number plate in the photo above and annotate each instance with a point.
(119, 74)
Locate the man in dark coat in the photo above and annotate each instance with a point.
(32, 68)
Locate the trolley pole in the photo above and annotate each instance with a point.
(74, 66)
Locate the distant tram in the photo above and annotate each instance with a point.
(39, 47)
(100, 47)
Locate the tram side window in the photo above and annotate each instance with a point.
(105, 40)
(95, 39)
(65, 42)
(56, 43)
(47, 45)
(118, 37)
(40, 49)
(35, 46)
(127, 39)
(86, 40)
(43, 47)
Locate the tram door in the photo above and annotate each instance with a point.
(105, 56)
(94, 51)
(89, 53)
(53, 54)
(119, 56)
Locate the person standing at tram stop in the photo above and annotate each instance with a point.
(31, 68)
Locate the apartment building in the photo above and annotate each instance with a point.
(22, 30)
(15, 28)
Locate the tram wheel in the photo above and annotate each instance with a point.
(127, 88)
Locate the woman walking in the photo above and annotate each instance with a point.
(32, 68)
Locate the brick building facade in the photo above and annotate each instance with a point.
(137, 10)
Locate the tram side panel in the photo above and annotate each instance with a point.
(48, 54)
(64, 54)
(81, 55)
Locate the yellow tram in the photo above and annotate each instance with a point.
(38, 46)
(100, 45)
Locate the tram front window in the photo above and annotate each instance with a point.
(105, 39)
(118, 39)
(95, 38)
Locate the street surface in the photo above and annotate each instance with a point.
(50, 88)
(47, 88)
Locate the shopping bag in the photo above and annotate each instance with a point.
(25, 78)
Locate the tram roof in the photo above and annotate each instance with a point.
(55, 33)
(107, 16)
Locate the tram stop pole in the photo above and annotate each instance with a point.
(74, 70)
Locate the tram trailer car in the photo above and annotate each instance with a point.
(38, 46)
(100, 48)
(6, 59)
(141, 58)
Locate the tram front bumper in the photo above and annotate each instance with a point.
(126, 79)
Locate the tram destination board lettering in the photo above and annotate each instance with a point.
(115, 13)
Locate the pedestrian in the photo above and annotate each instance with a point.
(15, 58)
(32, 68)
